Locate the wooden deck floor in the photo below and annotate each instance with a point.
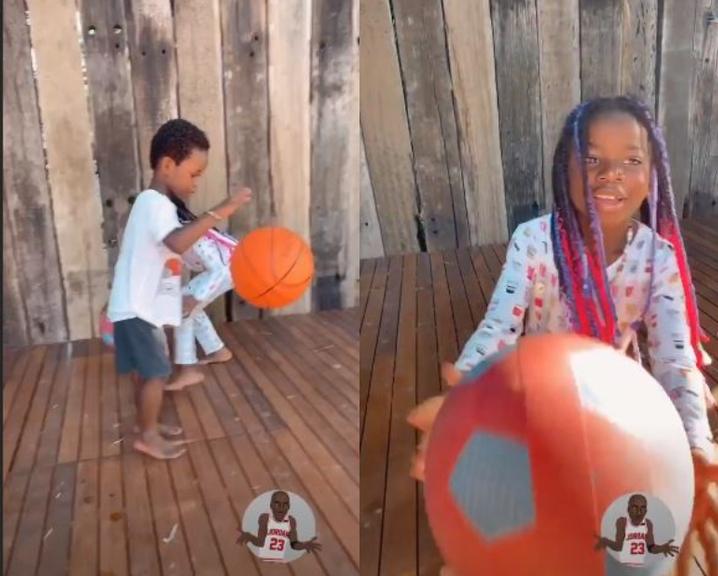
(283, 414)
(416, 312)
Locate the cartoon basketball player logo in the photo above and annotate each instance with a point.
(277, 536)
(634, 537)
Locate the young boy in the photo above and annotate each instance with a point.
(146, 291)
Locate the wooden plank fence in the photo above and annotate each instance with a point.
(273, 84)
(463, 102)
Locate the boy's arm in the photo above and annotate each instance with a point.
(503, 323)
(673, 361)
(181, 239)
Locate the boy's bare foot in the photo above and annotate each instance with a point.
(165, 430)
(154, 445)
(188, 376)
(221, 355)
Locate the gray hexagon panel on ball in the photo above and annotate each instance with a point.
(491, 485)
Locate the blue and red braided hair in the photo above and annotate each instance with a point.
(581, 264)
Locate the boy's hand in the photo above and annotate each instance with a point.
(422, 417)
(234, 203)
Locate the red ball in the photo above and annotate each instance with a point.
(528, 453)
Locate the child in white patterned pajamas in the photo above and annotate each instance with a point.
(209, 257)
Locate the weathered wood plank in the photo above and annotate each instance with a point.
(560, 75)
(110, 409)
(29, 440)
(199, 72)
(141, 540)
(84, 551)
(368, 338)
(289, 57)
(12, 382)
(90, 434)
(704, 174)
(601, 48)
(367, 274)
(112, 539)
(471, 50)
(427, 85)
(174, 555)
(32, 262)
(349, 285)
(386, 130)
(399, 518)
(207, 416)
(676, 78)
(428, 383)
(372, 245)
(154, 71)
(377, 424)
(244, 57)
(70, 168)
(518, 87)
(104, 31)
(14, 326)
(335, 151)
(26, 550)
(459, 300)
(52, 429)
(55, 555)
(13, 497)
(15, 423)
(72, 423)
(475, 297)
(638, 50)
(445, 327)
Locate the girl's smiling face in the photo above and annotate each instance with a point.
(618, 165)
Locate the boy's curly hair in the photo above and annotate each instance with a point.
(176, 139)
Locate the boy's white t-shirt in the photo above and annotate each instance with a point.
(148, 275)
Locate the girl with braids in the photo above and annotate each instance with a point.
(209, 258)
(593, 267)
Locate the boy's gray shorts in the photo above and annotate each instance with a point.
(141, 347)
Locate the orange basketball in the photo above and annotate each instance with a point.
(271, 267)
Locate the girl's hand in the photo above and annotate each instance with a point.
(704, 524)
(422, 417)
